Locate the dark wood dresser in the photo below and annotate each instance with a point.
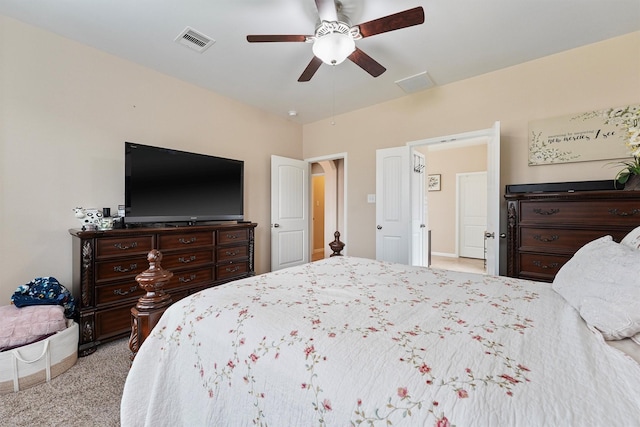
(544, 230)
(105, 264)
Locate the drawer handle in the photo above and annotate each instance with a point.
(542, 238)
(120, 269)
(546, 266)
(616, 212)
(187, 242)
(231, 253)
(121, 292)
(232, 269)
(187, 260)
(183, 279)
(548, 212)
(232, 236)
(125, 247)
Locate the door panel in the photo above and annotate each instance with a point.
(393, 214)
(472, 203)
(419, 241)
(289, 212)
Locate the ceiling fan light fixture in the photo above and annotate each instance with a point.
(333, 48)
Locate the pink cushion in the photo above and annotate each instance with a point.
(20, 326)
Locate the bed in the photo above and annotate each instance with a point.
(353, 341)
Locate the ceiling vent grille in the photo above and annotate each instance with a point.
(194, 40)
(415, 83)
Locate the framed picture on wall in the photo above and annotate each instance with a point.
(433, 182)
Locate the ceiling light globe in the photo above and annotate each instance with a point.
(334, 48)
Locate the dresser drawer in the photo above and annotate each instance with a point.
(228, 271)
(232, 252)
(180, 241)
(191, 259)
(606, 212)
(121, 268)
(541, 266)
(231, 236)
(113, 322)
(123, 246)
(190, 278)
(556, 240)
(119, 292)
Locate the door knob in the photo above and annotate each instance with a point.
(488, 235)
(276, 225)
(379, 227)
(422, 226)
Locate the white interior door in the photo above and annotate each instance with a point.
(472, 213)
(289, 212)
(393, 213)
(419, 240)
(492, 233)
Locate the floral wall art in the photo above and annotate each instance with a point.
(612, 133)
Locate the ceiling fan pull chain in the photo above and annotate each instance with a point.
(333, 96)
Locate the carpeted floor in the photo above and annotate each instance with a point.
(86, 395)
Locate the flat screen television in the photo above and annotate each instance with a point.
(163, 185)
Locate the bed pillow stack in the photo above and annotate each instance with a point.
(602, 282)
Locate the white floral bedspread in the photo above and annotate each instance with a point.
(350, 341)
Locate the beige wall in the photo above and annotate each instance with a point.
(597, 76)
(65, 112)
(66, 109)
(442, 204)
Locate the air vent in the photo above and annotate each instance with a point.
(415, 83)
(194, 40)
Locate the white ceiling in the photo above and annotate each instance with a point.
(459, 39)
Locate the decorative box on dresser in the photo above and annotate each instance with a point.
(105, 264)
(544, 230)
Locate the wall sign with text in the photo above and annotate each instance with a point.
(594, 135)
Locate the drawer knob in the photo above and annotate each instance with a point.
(542, 238)
(547, 212)
(125, 247)
(121, 269)
(618, 213)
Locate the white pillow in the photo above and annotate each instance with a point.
(632, 239)
(602, 282)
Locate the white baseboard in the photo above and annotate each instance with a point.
(444, 254)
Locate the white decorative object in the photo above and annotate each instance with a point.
(89, 218)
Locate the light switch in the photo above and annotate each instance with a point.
(371, 198)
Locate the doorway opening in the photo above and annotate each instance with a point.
(453, 203)
(328, 195)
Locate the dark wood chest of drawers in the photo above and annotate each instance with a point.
(105, 264)
(544, 230)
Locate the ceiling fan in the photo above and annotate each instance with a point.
(334, 38)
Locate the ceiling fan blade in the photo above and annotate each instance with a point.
(366, 62)
(327, 10)
(310, 70)
(276, 38)
(408, 18)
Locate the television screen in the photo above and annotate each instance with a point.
(165, 185)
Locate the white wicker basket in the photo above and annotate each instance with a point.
(38, 362)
